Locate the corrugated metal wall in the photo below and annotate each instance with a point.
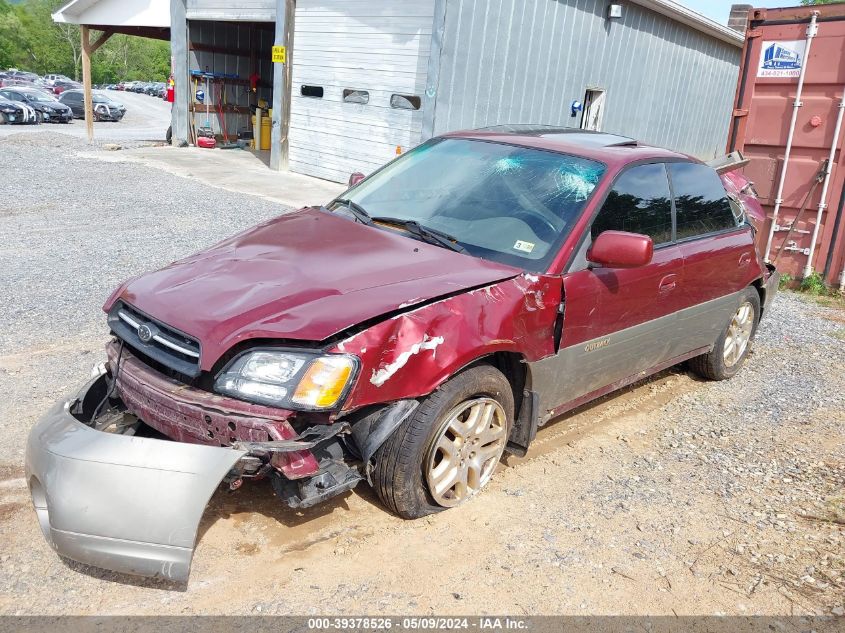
(238, 48)
(525, 61)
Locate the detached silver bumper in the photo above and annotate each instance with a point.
(771, 285)
(123, 503)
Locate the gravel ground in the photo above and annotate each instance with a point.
(674, 496)
(71, 234)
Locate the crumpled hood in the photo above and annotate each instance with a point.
(306, 276)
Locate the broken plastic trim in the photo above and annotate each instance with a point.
(310, 438)
(373, 430)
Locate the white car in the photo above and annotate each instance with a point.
(52, 78)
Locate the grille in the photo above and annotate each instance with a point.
(159, 341)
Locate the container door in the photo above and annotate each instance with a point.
(359, 74)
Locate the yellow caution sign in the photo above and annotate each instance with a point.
(280, 54)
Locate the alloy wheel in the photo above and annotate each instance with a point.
(739, 334)
(466, 450)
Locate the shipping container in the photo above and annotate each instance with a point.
(787, 120)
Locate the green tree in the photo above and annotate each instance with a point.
(813, 2)
(30, 40)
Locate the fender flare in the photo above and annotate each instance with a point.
(371, 431)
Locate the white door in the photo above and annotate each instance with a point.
(359, 74)
(594, 101)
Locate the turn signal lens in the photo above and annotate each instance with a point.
(324, 382)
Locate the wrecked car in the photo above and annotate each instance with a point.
(407, 334)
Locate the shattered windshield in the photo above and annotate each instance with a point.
(501, 202)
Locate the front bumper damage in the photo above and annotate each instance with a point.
(108, 497)
(129, 504)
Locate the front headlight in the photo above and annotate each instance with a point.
(296, 380)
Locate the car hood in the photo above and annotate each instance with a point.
(304, 276)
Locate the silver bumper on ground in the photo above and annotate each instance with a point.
(128, 504)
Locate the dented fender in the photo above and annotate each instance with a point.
(409, 355)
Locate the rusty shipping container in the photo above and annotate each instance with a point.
(787, 120)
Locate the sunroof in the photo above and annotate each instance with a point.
(577, 136)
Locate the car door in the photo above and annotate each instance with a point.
(617, 322)
(718, 250)
(68, 100)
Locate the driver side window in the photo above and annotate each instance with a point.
(640, 202)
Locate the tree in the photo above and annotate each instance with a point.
(30, 40)
(814, 2)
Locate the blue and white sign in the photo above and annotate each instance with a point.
(781, 59)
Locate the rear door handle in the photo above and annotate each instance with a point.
(668, 283)
(745, 259)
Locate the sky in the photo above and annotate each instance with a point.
(720, 9)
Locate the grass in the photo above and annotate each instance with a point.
(814, 287)
(813, 284)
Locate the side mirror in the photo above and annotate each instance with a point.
(618, 249)
(355, 178)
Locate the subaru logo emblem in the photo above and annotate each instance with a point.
(145, 333)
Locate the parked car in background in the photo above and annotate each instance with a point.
(48, 108)
(52, 77)
(14, 81)
(528, 270)
(16, 112)
(105, 108)
(60, 85)
(24, 75)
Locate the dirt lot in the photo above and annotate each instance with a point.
(673, 496)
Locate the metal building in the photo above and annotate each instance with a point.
(365, 79)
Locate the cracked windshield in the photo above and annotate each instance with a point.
(501, 202)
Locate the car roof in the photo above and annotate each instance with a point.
(611, 149)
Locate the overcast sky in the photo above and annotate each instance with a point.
(720, 9)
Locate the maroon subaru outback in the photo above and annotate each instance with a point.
(407, 334)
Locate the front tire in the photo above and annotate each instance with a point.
(447, 451)
(734, 344)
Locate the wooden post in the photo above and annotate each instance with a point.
(86, 82)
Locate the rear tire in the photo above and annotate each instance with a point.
(734, 344)
(413, 456)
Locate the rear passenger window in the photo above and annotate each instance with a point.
(701, 204)
(638, 203)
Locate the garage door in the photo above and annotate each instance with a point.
(359, 73)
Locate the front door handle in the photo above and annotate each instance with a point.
(668, 283)
(745, 259)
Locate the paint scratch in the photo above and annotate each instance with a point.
(384, 374)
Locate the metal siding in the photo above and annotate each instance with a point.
(255, 10)
(381, 46)
(525, 61)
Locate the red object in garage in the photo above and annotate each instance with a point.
(793, 68)
(207, 142)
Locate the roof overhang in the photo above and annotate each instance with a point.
(685, 15)
(124, 16)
